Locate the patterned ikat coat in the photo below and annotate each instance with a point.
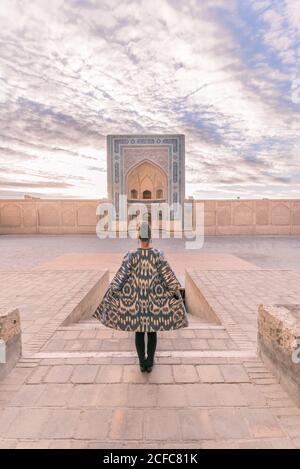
(143, 295)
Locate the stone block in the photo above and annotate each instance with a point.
(210, 374)
(279, 344)
(61, 423)
(262, 423)
(86, 307)
(185, 374)
(109, 374)
(127, 424)
(235, 374)
(59, 374)
(93, 424)
(229, 423)
(10, 340)
(196, 424)
(161, 424)
(196, 302)
(171, 395)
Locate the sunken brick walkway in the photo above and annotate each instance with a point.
(79, 386)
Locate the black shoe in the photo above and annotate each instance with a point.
(143, 366)
(149, 365)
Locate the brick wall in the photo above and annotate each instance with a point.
(221, 217)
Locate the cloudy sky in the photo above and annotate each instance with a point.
(226, 73)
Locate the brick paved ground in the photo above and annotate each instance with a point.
(25, 251)
(106, 402)
(83, 400)
(79, 386)
(45, 300)
(235, 296)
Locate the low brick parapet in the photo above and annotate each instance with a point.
(10, 340)
(279, 344)
(195, 301)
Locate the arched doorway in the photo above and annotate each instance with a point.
(147, 194)
(134, 194)
(148, 181)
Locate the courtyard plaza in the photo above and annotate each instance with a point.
(78, 385)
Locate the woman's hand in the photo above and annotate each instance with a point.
(177, 295)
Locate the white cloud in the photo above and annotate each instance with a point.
(73, 71)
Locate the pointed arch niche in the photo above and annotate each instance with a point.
(146, 180)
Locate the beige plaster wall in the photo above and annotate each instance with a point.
(252, 217)
(52, 216)
(221, 217)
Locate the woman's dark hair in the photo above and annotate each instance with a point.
(144, 231)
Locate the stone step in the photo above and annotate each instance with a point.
(109, 342)
(90, 336)
(195, 322)
(193, 356)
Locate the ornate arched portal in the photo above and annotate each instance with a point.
(128, 156)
